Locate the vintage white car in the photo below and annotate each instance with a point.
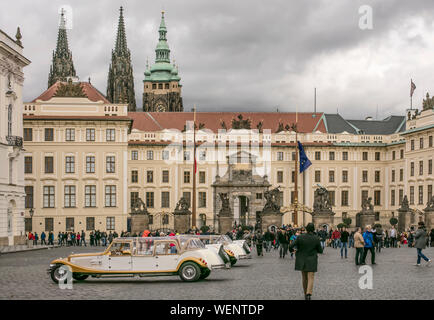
(236, 250)
(141, 257)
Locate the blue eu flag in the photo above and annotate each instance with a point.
(304, 161)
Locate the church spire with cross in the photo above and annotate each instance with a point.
(62, 66)
(120, 82)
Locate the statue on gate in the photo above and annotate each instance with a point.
(272, 198)
(182, 205)
(367, 205)
(321, 200)
(138, 207)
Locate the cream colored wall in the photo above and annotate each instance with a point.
(80, 148)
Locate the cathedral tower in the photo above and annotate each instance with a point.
(120, 82)
(62, 66)
(161, 89)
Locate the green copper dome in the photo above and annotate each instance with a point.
(162, 69)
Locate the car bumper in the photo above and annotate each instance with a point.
(245, 256)
(221, 266)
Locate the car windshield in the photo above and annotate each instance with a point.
(191, 243)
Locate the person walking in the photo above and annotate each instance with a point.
(344, 242)
(393, 236)
(258, 239)
(283, 242)
(359, 244)
(307, 246)
(378, 239)
(35, 238)
(43, 236)
(268, 237)
(335, 238)
(50, 238)
(368, 237)
(83, 238)
(323, 236)
(420, 243)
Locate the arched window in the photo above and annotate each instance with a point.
(10, 120)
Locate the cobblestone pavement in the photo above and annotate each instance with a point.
(23, 276)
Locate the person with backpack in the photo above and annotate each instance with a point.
(368, 238)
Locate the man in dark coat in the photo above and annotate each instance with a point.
(282, 236)
(420, 236)
(307, 246)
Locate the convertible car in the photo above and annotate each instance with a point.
(140, 257)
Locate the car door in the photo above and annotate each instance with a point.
(119, 258)
(166, 255)
(143, 256)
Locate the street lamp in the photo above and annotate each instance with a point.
(31, 212)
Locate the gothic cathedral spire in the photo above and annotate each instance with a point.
(120, 83)
(62, 66)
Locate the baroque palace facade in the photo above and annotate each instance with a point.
(12, 193)
(89, 157)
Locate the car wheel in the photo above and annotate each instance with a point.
(189, 271)
(59, 274)
(205, 273)
(79, 277)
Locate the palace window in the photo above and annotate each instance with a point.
(69, 222)
(377, 176)
(430, 144)
(187, 197)
(69, 164)
(165, 199)
(332, 155)
(377, 198)
(317, 155)
(90, 223)
(377, 156)
(134, 176)
(401, 174)
(412, 145)
(186, 176)
(344, 198)
(201, 176)
(49, 168)
(401, 153)
(70, 134)
(165, 155)
(420, 194)
(149, 155)
(49, 223)
(49, 134)
(401, 196)
(110, 164)
(48, 197)
(393, 155)
(69, 197)
(430, 166)
(28, 164)
(186, 156)
(365, 156)
(202, 199)
(150, 199)
(134, 155)
(110, 223)
(29, 196)
(364, 176)
(317, 176)
(429, 191)
(280, 156)
(392, 197)
(90, 164)
(393, 175)
(134, 197)
(202, 155)
(332, 197)
(28, 134)
(110, 196)
(165, 176)
(279, 176)
(412, 169)
(411, 194)
(331, 176)
(258, 196)
(421, 143)
(345, 155)
(420, 167)
(90, 196)
(110, 135)
(293, 176)
(344, 176)
(90, 134)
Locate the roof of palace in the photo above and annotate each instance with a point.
(390, 125)
(92, 93)
(156, 121)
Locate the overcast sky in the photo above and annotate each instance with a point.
(248, 55)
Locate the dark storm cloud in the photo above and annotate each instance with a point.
(248, 54)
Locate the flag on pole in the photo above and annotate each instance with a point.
(412, 88)
(304, 161)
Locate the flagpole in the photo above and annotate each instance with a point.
(411, 95)
(295, 218)
(193, 217)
